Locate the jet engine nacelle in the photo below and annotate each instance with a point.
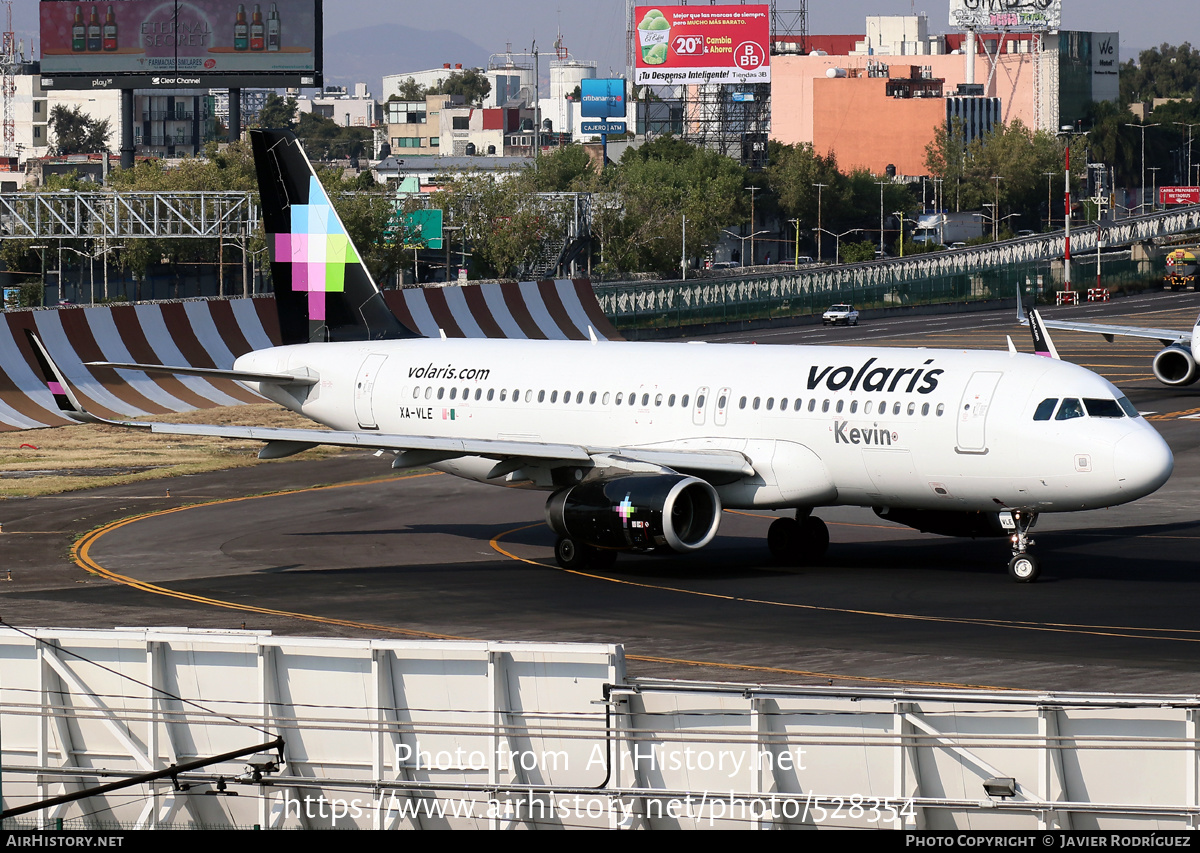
(637, 512)
(976, 525)
(1176, 366)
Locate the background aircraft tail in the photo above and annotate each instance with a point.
(323, 290)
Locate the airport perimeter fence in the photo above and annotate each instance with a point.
(642, 306)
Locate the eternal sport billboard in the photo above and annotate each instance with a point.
(685, 45)
(180, 43)
(988, 15)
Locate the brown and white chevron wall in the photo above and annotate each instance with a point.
(212, 333)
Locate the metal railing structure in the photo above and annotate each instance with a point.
(974, 273)
(435, 734)
(127, 216)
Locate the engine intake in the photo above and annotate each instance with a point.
(1175, 366)
(637, 512)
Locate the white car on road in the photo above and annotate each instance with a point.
(843, 314)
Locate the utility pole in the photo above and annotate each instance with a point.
(1188, 176)
(819, 188)
(882, 184)
(753, 190)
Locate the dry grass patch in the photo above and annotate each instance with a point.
(84, 456)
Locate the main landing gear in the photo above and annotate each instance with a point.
(571, 554)
(1023, 567)
(799, 540)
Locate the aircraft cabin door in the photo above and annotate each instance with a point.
(701, 406)
(973, 411)
(364, 387)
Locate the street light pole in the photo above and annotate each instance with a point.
(796, 224)
(1153, 170)
(753, 190)
(1142, 189)
(882, 184)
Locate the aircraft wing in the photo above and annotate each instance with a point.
(1164, 336)
(424, 449)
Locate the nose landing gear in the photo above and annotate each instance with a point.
(1023, 567)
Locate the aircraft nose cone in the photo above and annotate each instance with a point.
(1143, 462)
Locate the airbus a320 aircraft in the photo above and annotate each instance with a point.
(1177, 365)
(642, 445)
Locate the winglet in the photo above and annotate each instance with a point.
(1042, 345)
(64, 395)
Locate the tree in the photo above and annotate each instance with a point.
(411, 90)
(76, 132)
(472, 84)
(278, 113)
(1162, 72)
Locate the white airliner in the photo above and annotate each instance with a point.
(1177, 365)
(642, 445)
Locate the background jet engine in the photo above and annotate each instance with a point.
(1176, 366)
(637, 512)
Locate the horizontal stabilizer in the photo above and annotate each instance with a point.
(215, 373)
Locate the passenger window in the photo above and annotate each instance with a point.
(416, 393)
(607, 396)
(783, 404)
(645, 399)
(824, 405)
(867, 408)
(895, 408)
(592, 399)
(428, 392)
(840, 403)
(742, 403)
(479, 393)
(757, 401)
(940, 409)
(553, 397)
(797, 404)
(671, 400)
(1100, 408)
(854, 406)
(441, 393)
(1070, 408)
(770, 404)
(658, 399)
(453, 391)
(633, 399)
(912, 409)
(542, 396)
(683, 403)
(491, 392)
(620, 397)
(720, 403)
(699, 401)
(528, 395)
(1045, 409)
(466, 394)
(812, 404)
(924, 410)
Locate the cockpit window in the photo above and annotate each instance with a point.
(1045, 409)
(1098, 408)
(1129, 408)
(1070, 408)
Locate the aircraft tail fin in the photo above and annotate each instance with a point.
(1042, 345)
(323, 290)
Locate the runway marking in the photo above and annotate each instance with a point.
(1166, 416)
(81, 554)
(1123, 632)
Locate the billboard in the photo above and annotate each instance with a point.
(180, 43)
(687, 45)
(1006, 14)
(602, 97)
(1179, 195)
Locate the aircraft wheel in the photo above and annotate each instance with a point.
(571, 554)
(815, 536)
(783, 539)
(1024, 568)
